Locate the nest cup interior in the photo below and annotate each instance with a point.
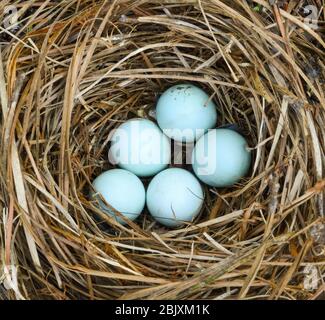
(98, 65)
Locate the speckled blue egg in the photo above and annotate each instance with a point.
(184, 112)
(138, 145)
(174, 197)
(221, 158)
(122, 190)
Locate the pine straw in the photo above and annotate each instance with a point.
(74, 70)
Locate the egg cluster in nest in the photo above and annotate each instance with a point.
(75, 70)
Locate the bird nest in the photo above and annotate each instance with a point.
(72, 71)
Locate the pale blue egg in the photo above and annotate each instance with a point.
(138, 145)
(221, 158)
(122, 190)
(174, 196)
(184, 112)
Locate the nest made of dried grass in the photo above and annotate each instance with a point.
(72, 71)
